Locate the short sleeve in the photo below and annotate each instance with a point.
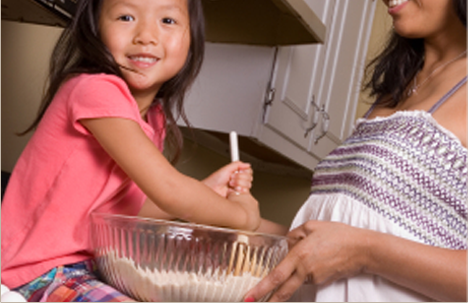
(100, 96)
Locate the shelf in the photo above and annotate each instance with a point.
(256, 22)
(262, 22)
(37, 11)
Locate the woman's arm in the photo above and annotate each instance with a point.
(174, 193)
(435, 272)
(328, 251)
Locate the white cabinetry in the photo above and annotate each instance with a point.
(317, 86)
(313, 84)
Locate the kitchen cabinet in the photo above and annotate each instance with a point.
(297, 101)
(228, 96)
(317, 86)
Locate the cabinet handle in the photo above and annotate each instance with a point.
(270, 94)
(325, 124)
(309, 129)
(314, 123)
(268, 101)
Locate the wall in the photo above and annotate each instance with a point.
(25, 52)
(380, 29)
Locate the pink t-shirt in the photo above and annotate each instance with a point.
(63, 175)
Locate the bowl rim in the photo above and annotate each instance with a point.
(185, 225)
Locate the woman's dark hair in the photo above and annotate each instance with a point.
(393, 69)
(80, 50)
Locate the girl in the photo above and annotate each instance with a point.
(117, 74)
(398, 185)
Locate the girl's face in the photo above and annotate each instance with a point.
(149, 39)
(422, 18)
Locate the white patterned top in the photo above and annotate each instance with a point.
(404, 175)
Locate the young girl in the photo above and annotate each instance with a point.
(118, 73)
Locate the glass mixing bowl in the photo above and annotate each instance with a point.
(157, 260)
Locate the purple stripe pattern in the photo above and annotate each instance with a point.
(408, 170)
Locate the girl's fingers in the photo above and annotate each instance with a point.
(231, 191)
(241, 166)
(241, 175)
(241, 181)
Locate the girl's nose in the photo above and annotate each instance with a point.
(146, 34)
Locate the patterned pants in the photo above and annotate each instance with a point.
(77, 282)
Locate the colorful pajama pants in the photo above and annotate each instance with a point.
(77, 282)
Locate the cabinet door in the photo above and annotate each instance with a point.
(227, 95)
(340, 81)
(298, 69)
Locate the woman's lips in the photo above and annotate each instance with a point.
(394, 6)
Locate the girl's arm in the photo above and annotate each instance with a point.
(270, 227)
(151, 210)
(174, 193)
(222, 181)
(329, 251)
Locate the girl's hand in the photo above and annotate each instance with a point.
(321, 251)
(234, 177)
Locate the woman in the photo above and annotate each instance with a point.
(387, 217)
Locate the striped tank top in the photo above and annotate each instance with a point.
(404, 175)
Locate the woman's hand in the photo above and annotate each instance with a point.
(234, 177)
(325, 252)
(321, 251)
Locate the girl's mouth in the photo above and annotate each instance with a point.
(143, 60)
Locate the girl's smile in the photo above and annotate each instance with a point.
(143, 61)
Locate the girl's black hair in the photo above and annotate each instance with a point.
(393, 69)
(80, 50)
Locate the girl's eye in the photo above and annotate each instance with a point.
(168, 21)
(126, 18)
